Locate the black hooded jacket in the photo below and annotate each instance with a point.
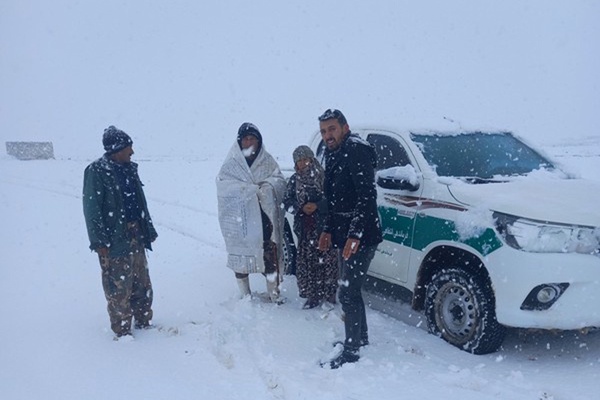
(351, 193)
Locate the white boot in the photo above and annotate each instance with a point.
(273, 289)
(244, 285)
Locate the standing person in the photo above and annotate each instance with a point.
(250, 188)
(316, 271)
(120, 229)
(352, 224)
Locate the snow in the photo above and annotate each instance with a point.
(180, 77)
(473, 222)
(404, 173)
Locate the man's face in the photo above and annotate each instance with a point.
(333, 133)
(123, 156)
(249, 145)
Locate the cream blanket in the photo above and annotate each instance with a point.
(241, 192)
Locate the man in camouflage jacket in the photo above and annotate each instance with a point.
(120, 229)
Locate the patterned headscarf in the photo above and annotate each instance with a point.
(310, 180)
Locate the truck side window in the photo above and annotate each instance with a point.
(320, 156)
(390, 152)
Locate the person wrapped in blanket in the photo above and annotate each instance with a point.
(250, 189)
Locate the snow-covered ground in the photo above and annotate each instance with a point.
(180, 77)
(56, 344)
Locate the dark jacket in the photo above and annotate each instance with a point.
(104, 209)
(351, 193)
(301, 221)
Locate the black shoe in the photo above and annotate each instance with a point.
(362, 343)
(123, 336)
(143, 325)
(311, 303)
(347, 356)
(332, 299)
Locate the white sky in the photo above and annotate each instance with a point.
(184, 72)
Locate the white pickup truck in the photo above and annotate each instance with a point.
(484, 232)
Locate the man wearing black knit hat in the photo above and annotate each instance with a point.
(120, 230)
(250, 141)
(250, 188)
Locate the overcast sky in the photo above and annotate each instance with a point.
(178, 74)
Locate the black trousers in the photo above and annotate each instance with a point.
(353, 273)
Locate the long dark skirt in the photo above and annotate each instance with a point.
(316, 271)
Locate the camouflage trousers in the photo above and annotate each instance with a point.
(127, 289)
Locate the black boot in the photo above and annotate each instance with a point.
(363, 342)
(311, 303)
(347, 356)
(143, 325)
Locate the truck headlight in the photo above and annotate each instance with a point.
(546, 237)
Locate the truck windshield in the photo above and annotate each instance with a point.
(479, 155)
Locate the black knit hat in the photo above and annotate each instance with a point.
(246, 129)
(115, 140)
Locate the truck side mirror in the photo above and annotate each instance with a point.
(396, 184)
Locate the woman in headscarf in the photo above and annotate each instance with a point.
(316, 271)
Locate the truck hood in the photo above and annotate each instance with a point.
(568, 201)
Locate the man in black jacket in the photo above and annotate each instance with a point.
(352, 225)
